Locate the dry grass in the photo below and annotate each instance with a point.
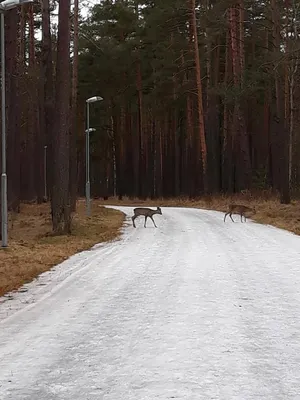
(33, 250)
(268, 207)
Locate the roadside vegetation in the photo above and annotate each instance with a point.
(269, 210)
(33, 249)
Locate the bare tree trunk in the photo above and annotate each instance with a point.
(227, 151)
(291, 116)
(294, 65)
(212, 120)
(47, 93)
(174, 117)
(114, 155)
(21, 72)
(241, 139)
(141, 141)
(60, 200)
(280, 124)
(201, 141)
(34, 113)
(13, 107)
(189, 128)
(121, 161)
(73, 130)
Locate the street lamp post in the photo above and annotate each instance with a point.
(5, 6)
(87, 149)
(87, 162)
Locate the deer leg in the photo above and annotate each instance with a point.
(133, 218)
(241, 217)
(153, 222)
(230, 215)
(145, 221)
(225, 216)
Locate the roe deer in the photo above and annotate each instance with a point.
(146, 212)
(239, 209)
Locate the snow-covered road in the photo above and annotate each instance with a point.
(195, 309)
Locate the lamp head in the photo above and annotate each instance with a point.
(94, 99)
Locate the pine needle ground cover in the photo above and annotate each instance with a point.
(33, 249)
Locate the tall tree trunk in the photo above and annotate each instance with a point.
(174, 118)
(37, 161)
(141, 141)
(241, 138)
(201, 141)
(73, 125)
(47, 93)
(121, 163)
(227, 151)
(280, 124)
(212, 121)
(114, 154)
(60, 201)
(293, 70)
(187, 164)
(21, 72)
(13, 107)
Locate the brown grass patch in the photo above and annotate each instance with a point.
(33, 250)
(268, 207)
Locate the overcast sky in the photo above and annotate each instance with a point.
(85, 4)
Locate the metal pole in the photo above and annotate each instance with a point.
(3, 117)
(45, 172)
(87, 160)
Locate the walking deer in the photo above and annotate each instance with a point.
(239, 209)
(146, 212)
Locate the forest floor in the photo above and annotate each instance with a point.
(33, 250)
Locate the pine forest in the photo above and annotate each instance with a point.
(199, 97)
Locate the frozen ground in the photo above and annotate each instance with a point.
(195, 309)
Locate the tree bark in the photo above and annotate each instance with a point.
(12, 108)
(37, 161)
(280, 123)
(241, 138)
(73, 130)
(140, 143)
(200, 140)
(60, 200)
(47, 94)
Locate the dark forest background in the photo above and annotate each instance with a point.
(200, 97)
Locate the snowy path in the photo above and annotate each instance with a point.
(196, 309)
